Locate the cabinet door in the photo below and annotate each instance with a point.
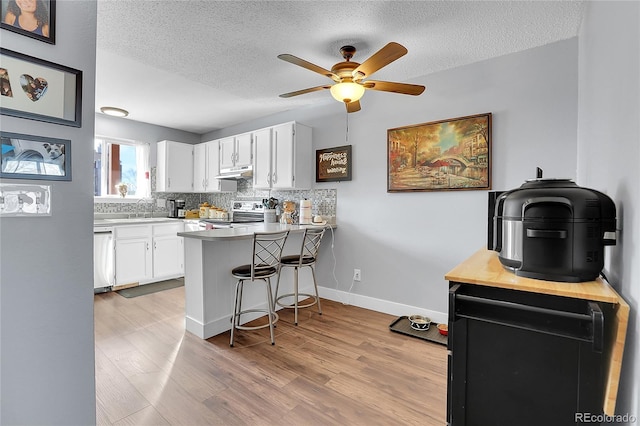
(243, 150)
(200, 167)
(262, 158)
(175, 167)
(168, 250)
(168, 255)
(133, 260)
(227, 152)
(282, 156)
(212, 166)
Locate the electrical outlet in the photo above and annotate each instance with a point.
(356, 275)
(160, 202)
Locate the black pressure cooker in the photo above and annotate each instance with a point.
(552, 229)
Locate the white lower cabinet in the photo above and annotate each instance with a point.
(168, 251)
(148, 253)
(133, 255)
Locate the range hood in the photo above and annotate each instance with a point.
(244, 172)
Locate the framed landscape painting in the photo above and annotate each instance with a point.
(446, 155)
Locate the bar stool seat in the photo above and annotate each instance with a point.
(266, 256)
(307, 258)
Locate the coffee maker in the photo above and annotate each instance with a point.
(172, 206)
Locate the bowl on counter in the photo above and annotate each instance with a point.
(419, 322)
(443, 329)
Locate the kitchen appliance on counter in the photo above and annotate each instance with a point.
(176, 208)
(552, 229)
(181, 211)
(242, 212)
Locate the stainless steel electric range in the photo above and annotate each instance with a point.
(242, 212)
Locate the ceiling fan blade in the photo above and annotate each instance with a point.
(308, 65)
(388, 86)
(303, 91)
(353, 106)
(381, 58)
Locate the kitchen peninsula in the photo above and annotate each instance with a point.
(209, 257)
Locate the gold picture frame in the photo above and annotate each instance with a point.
(446, 155)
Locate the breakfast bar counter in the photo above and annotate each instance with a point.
(210, 256)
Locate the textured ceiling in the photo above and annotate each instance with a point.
(204, 65)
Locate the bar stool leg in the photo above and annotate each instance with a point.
(315, 284)
(295, 295)
(237, 306)
(277, 287)
(270, 310)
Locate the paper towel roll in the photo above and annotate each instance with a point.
(305, 212)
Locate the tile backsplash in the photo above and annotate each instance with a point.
(324, 200)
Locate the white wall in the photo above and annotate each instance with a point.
(123, 128)
(609, 153)
(46, 296)
(405, 243)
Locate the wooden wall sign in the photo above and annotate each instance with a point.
(333, 164)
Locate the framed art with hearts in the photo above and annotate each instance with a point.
(31, 18)
(40, 90)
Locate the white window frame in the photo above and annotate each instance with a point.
(114, 198)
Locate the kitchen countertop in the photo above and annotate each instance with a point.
(246, 231)
(133, 221)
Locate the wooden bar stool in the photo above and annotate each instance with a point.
(307, 257)
(266, 256)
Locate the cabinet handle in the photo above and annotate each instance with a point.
(275, 178)
(268, 178)
(169, 182)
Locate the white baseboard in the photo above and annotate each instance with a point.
(379, 305)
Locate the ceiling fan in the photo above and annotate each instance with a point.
(350, 77)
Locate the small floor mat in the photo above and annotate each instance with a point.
(141, 290)
(402, 325)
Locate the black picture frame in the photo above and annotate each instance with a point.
(57, 89)
(333, 164)
(34, 157)
(50, 14)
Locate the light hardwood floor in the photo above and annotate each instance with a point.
(344, 367)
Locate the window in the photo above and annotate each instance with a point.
(118, 161)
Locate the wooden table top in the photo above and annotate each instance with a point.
(484, 268)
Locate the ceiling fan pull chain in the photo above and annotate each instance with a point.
(347, 132)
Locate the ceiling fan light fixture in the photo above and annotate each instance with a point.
(347, 92)
(115, 112)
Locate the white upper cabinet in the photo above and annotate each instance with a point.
(206, 167)
(175, 167)
(262, 158)
(235, 151)
(282, 157)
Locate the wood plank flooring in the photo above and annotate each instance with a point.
(343, 367)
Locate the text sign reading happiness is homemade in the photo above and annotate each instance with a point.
(333, 164)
